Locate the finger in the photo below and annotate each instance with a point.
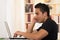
(20, 35)
(15, 35)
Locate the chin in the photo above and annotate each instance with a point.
(39, 22)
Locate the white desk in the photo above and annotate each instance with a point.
(13, 39)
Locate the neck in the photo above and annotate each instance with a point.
(46, 18)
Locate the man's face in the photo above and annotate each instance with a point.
(39, 15)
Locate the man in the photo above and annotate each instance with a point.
(48, 30)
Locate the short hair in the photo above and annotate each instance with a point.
(43, 7)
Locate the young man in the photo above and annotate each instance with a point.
(48, 30)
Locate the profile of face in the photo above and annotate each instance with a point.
(40, 17)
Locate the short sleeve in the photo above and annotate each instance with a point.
(47, 26)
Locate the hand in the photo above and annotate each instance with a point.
(31, 26)
(34, 20)
(18, 33)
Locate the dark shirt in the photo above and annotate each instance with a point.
(51, 27)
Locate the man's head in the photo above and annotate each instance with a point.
(42, 12)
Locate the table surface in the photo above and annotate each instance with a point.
(13, 39)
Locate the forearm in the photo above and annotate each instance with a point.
(35, 35)
(30, 28)
(29, 35)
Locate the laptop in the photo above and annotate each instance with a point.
(9, 33)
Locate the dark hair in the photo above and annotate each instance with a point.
(43, 7)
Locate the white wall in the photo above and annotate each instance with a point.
(10, 18)
(15, 15)
(11, 11)
(20, 21)
(7, 11)
(3, 32)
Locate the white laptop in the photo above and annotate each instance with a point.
(9, 33)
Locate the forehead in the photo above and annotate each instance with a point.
(37, 10)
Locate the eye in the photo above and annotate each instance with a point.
(36, 13)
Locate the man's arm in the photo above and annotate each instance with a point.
(38, 35)
(31, 26)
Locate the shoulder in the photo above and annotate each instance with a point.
(49, 22)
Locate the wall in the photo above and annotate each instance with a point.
(3, 32)
(20, 21)
(11, 11)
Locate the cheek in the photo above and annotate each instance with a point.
(40, 18)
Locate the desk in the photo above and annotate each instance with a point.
(13, 39)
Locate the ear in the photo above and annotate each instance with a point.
(45, 14)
